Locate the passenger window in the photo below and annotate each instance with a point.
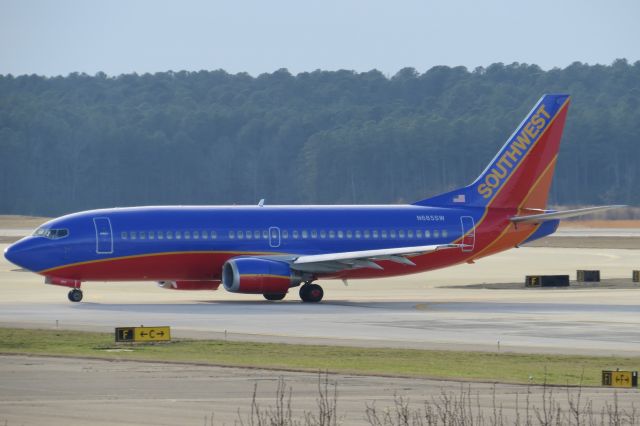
(232, 235)
(205, 235)
(256, 235)
(401, 233)
(314, 233)
(427, 233)
(178, 235)
(349, 234)
(133, 235)
(375, 233)
(196, 235)
(240, 235)
(214, 235)
(295, 234)
(285, 234)
(383, 233)
(323, 234)
(143, 235)
(124, 235)
(340, 234)
(305, 233)
(169, 235)
(392, 233)
(265, 234)
(152, 235)
(418, 233)
(410, 233)
(160, 235)
(444, 233)
(332, 234)
(358, 234)
(187, 235)
(249, 235)
(436, 233)
(366, 233)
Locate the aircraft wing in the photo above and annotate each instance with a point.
(543, 217)
(331, 262)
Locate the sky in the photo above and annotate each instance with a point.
(58, 37)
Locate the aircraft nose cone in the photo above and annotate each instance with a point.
(15, 253)
(10, 254)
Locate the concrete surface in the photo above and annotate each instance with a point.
(59, 391)
(431, 310)
(419, 311)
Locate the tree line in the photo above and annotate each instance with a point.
(324, 137)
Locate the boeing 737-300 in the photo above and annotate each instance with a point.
(268, 250)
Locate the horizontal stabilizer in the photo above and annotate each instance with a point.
(544, 217)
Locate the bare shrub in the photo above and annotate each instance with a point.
(453, 408)
(281, 413)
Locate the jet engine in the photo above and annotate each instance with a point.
(258, 276)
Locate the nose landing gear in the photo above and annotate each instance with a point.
(75, 295)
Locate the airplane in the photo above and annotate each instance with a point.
(268, 250)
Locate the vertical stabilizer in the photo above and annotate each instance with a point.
(520, 174)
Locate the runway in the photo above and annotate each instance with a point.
(417, 311)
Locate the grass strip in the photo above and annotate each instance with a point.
(500, 367)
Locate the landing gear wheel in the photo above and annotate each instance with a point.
(275, 296)
(75, 295)
(311, 293)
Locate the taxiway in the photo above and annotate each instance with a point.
(425, 311)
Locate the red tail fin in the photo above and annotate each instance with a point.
(520, 174)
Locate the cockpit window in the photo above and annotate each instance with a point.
(52, 234)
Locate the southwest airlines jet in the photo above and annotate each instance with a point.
(268, 250)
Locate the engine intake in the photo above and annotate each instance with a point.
(258, 276)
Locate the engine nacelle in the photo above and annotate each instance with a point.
(258, 276)
(189, 285)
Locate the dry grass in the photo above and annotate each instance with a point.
(460, 365)
(462, 408)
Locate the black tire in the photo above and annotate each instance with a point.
(311, 293)
(275, 296)
(75, 295)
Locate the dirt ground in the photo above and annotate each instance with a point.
(13, 221)
(600, 224)
(632, 243)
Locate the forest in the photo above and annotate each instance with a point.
(79, 142)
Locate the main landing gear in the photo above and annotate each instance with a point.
(75, 295)
(311, 292)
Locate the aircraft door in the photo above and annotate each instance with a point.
(274, 236)
(468, 233)
(104, 235)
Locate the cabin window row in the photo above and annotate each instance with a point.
(168, 235)
(286, 234)
(295, 234)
